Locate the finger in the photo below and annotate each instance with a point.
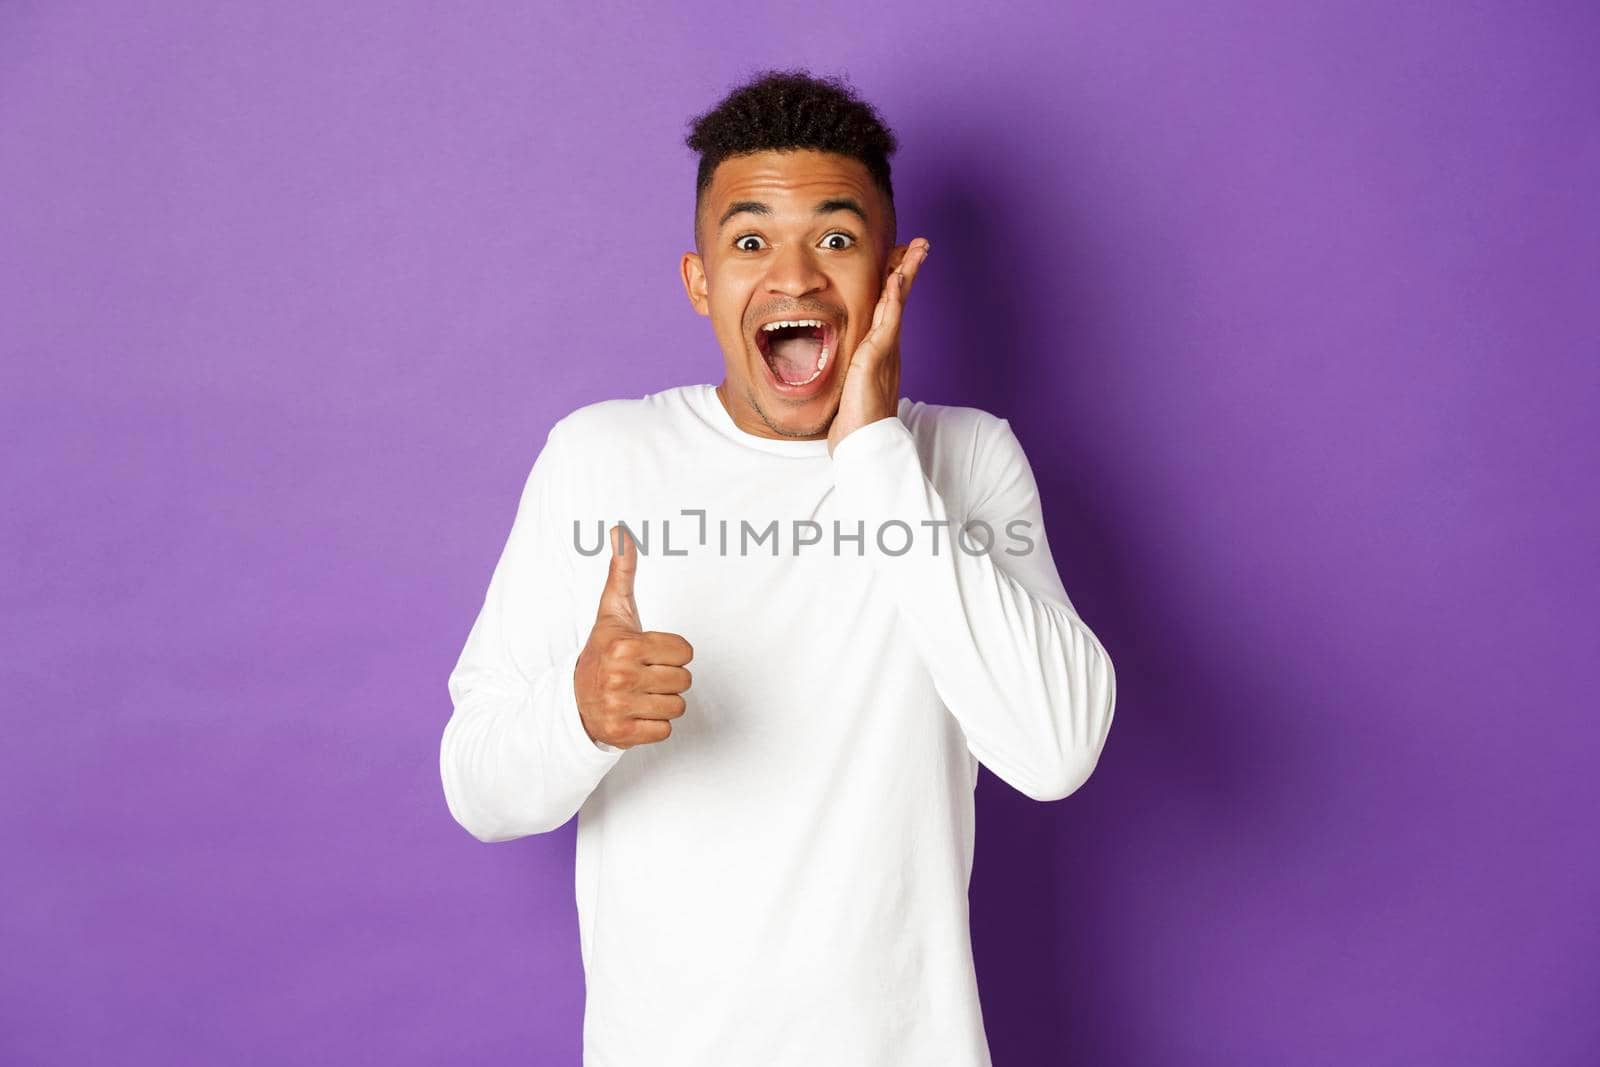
(656, 706)
(666, 650)
(907, 268)
(663, 679)
(616, 599)
(883, 303)
(866, 353)
(887, 328)
(898, 284)
(648, 731)
(911, 266)
(881, 334)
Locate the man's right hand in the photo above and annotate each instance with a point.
(629, 680)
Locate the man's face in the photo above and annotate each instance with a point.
(785, 236)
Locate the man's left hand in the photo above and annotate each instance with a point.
(872, 380)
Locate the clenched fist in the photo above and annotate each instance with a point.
(629, 681)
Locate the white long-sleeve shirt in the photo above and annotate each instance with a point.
(783, 880)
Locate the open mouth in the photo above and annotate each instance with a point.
(796, 350)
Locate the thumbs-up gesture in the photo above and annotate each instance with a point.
(629, 681)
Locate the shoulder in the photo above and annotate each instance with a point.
(616, 445)
(948, 418)
(622, 419)
(950, 433)
(965, 451)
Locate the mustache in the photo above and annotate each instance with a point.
(803, 311)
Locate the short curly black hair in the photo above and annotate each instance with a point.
(793, 109)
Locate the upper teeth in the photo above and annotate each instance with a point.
(791, 322)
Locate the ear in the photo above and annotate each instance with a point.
(694, 282)
(896, 254)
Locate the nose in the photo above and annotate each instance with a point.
(795, 272)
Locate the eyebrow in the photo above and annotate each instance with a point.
(827, 207)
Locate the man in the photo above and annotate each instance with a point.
(773, 862)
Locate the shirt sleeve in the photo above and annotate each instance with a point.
(515, 758)
(1031, 686)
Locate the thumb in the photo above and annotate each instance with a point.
(616, 600)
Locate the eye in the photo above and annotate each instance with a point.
(839, 233)
(739, 242)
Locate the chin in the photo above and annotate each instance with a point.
(810, 417)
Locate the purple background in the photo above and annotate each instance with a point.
(1293, 307)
